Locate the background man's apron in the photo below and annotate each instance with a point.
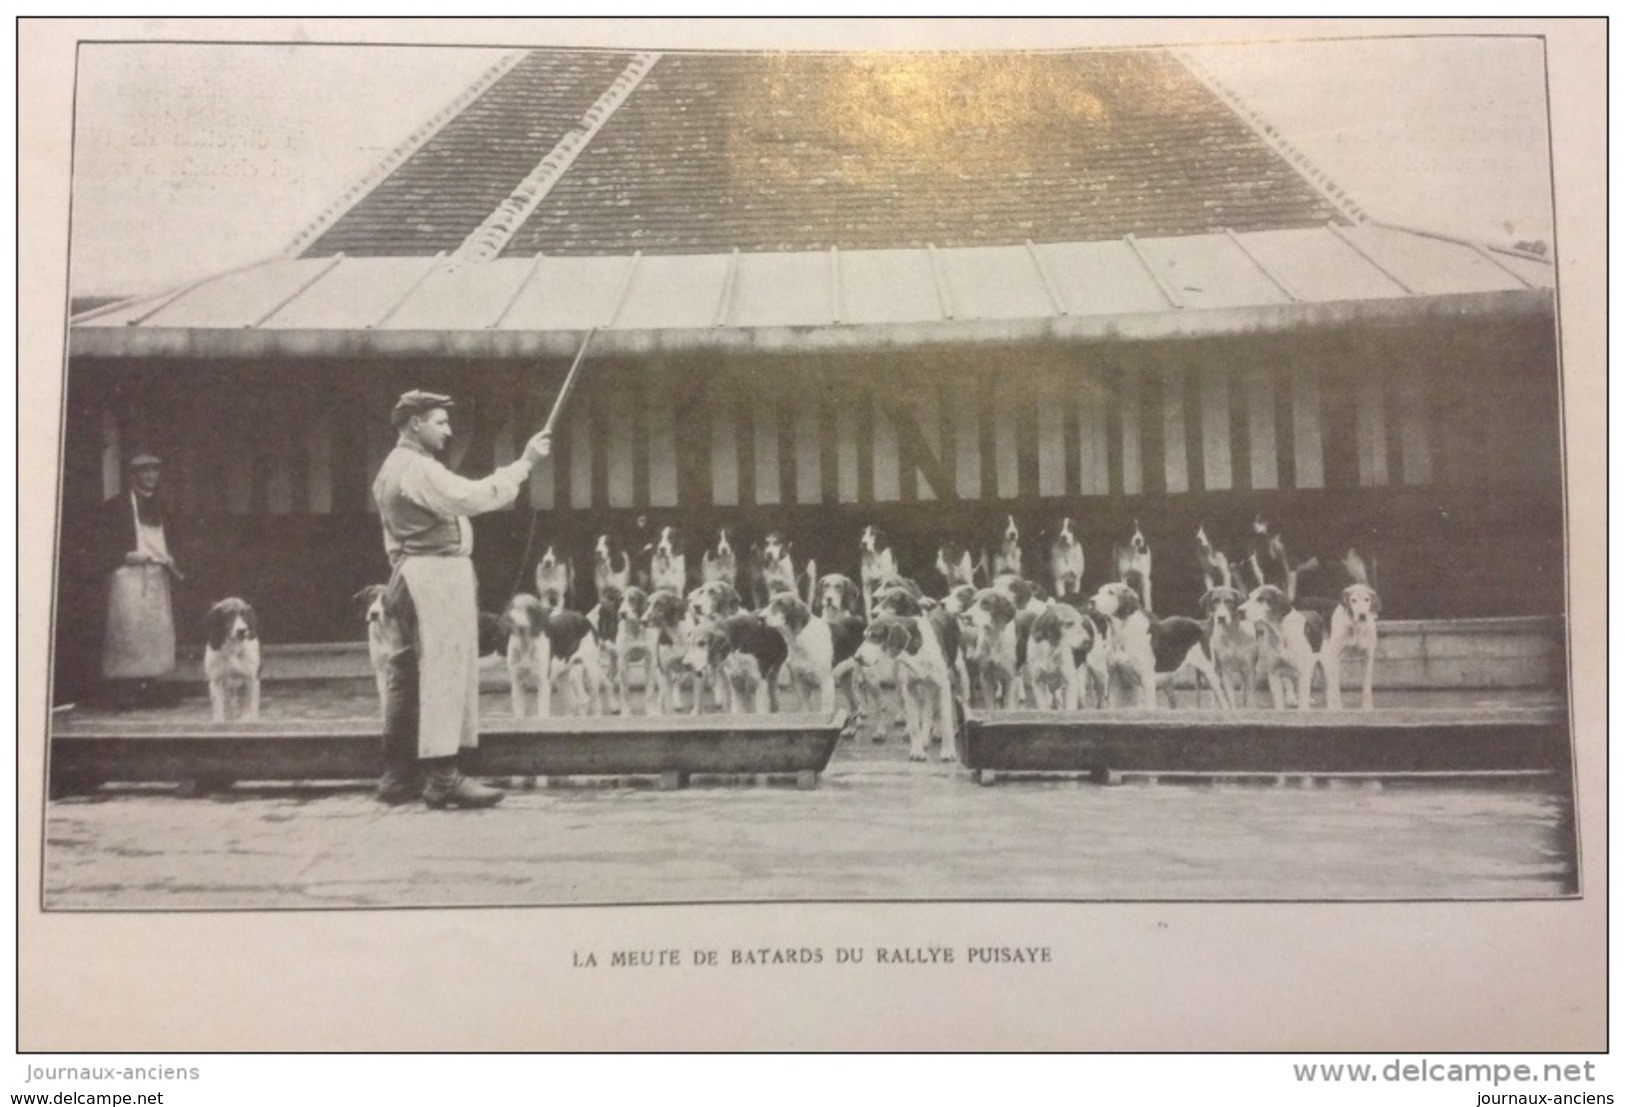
(139, 641)
(444, 599)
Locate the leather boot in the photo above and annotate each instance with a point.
(449, 788)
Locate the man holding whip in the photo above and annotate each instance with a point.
(432, 690)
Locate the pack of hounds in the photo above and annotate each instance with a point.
(751, 630)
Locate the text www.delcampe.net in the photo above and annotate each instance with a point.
(1443, 1072)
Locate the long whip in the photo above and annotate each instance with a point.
(565, 389)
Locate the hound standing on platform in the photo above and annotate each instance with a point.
(433, 682)
(1354, 627)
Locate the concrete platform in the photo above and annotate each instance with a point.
(1403, 741)
(86, 751)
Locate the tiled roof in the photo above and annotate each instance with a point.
(789, 152)
(444, 190)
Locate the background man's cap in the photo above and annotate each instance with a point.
(416, 402)
(144, 461)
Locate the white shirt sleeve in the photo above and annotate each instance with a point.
(445, 493)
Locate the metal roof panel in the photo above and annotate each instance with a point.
(1320, 267)
(1211, 271)
(238, 299)
(783, 290)
(888, 286)
(994, 282)
(352, 294)
(1101, 278)
(1431, 265)
(567, 294)
(460, 297)
(670, 291)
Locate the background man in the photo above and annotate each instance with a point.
(138, 636)
(431, 701)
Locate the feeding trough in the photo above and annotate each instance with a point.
(1396, 742)
(88, 751)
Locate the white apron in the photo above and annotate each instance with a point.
(140, 637)
(445, 598)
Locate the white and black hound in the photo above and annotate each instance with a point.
(231, 661)
(668, 564)
(1066, 562)
(1144, 650)
(876, 563)
(1289, 643)
(544, 645)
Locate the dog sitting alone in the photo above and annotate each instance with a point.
(1354, 627)
(231, 661)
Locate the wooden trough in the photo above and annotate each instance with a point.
(89, 751)
(1278, 745)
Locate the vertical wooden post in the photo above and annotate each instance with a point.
(112, 455)
(1175, 464)
(887, 478)
(808, 440)
(1309, 458)
(1006, 460)
(1371, 430)
(661, 419)
(846, 448)
(1094, 445)
(765, 435)
(1261, 429)
(1128, 400)
(1217, 471)
(967, 417)
(319, 460)
(1050, 400)
(618, 414)
(724, 448)
(1415, 447)
(581, 436)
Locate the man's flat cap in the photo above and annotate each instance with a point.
(143, 461)
(416, 402)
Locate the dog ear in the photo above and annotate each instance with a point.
(252, 618)
(1376, 603)
(1128, 602)
(1047, 627)
(797, 616)
(214, 624)
(905, 636)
